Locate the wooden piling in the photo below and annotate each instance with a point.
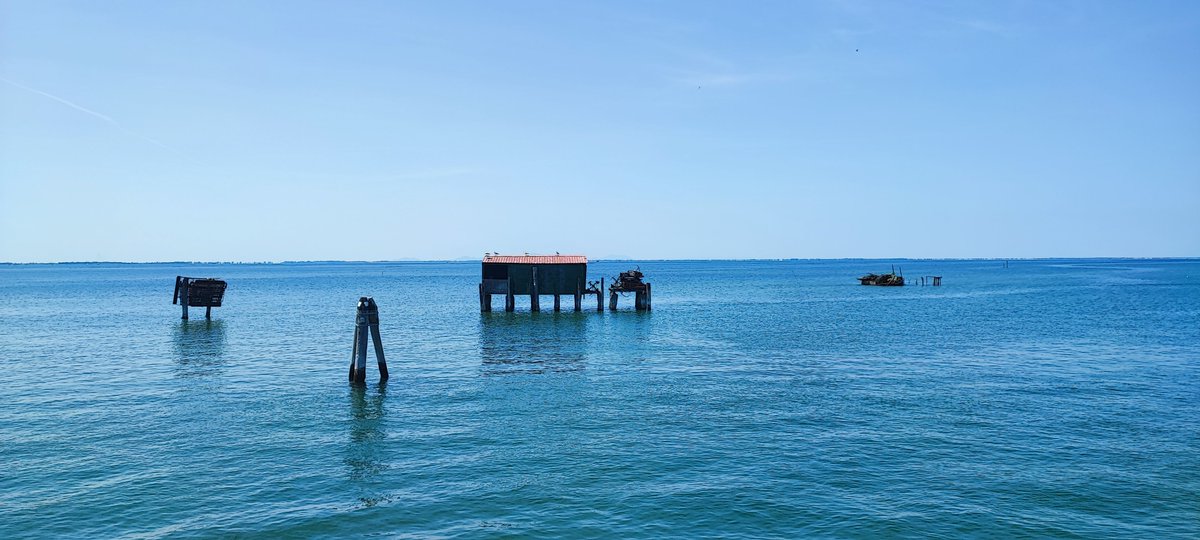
(612, 301)
(354, 353)
(578, 297)
(556, 307)
(373, 323)
(600, 296)
(182, 286)
(534, 303)
(510, 302)
(649, 298)
(358, 366)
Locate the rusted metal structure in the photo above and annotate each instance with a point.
(533, 275)
(885, 280)
(630, 281)
(198, 292)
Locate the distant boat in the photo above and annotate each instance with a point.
(884, 280)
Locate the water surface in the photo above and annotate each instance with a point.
(758, 399)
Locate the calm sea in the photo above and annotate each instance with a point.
(1056, 398)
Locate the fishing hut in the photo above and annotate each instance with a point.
(535, 276)
(198, 292)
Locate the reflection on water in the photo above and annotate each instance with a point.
(199, 347)
(532, 343)
(364, 454)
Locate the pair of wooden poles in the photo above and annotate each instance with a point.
(366, 321)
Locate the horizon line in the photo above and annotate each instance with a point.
(623, 259)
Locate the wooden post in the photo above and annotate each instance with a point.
(649, 298)
(208, 312)
(556, 307)
(485, 300)
(510, 302)
(578, 297)
(358, 363)
(600, 296)
(534, 304)
(354, 352)
(612, 301)
(373, 321)
(185, 297)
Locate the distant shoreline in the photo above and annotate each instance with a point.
(475, 261)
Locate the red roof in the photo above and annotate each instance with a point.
(535, 259)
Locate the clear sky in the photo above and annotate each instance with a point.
(267, 131)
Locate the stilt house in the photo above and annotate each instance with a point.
(533, 275)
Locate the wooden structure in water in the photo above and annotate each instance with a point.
(630, 281)
(366, 320)
(198, 292)
(535, 276)
(885, 280)
(553, 275)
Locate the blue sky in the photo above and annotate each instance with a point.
(138, 131)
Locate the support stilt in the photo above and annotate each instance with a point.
(556, 306)
(534, 303)
(600, 296)
(612, 301)
(184, 297)
(578, 299)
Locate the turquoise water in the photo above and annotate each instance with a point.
(758, 399)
